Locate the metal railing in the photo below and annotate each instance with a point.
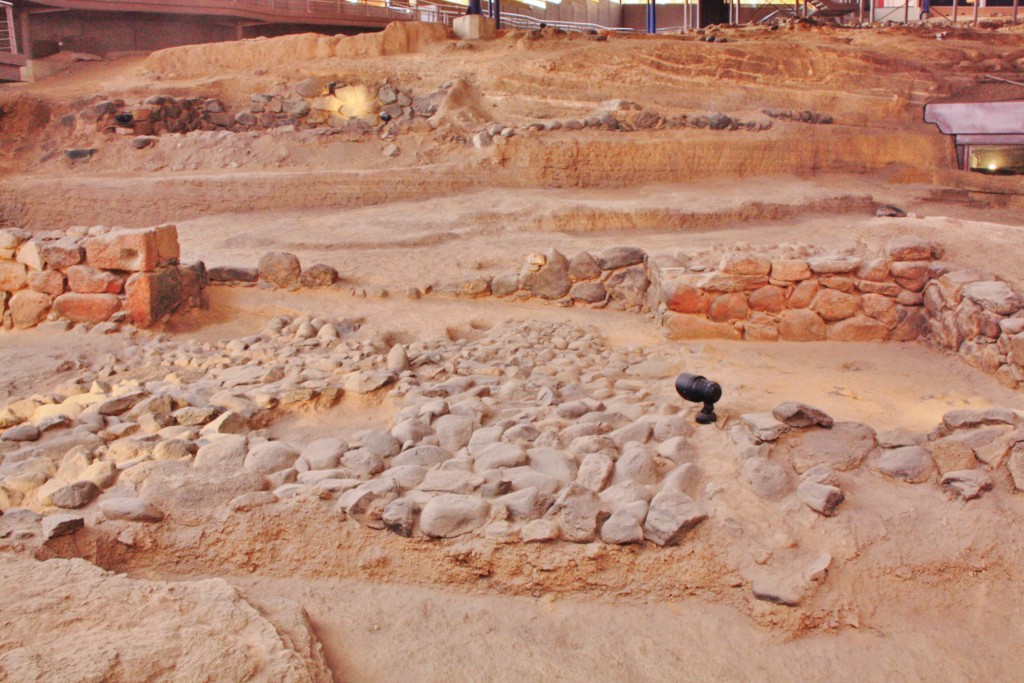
(526, 22)
(8, 39)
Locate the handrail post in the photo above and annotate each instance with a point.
(977, 4)
(956, 8)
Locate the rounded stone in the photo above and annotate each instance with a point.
(279, 268)
(451, 515)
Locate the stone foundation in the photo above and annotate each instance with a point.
(902, 294)
(95, 275)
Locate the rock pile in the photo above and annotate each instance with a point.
(978, 317)
(534, 432)
(95, 275)
(316, 102)
(796, 449)
(536, 429)
(358, 109)
(279, 270)
(622, 116)
(904, 294)
(617, 277)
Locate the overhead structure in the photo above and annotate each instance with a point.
(989, 136)
(12, 59)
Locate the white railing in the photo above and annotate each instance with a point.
(8, 39)
(527, 22)
(438, 11)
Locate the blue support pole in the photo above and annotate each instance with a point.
(497, 13)
(652, 18)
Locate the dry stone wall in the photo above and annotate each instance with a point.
(904, 294)
(763, 297)
(359, 110)
(95, 275)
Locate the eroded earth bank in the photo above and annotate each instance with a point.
(297, 392)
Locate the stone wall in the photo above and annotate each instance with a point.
(358, 109)
(903, 294)
(765, 297)
(94, 275)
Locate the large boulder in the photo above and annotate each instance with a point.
(451, 515)
(546, 275)
(843, 447)
(671, 515)
(270, 457)
(579, 512)
(279, 268)
(912, 464)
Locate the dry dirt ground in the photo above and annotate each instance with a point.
(905, 583)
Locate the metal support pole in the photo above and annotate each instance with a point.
(652, 17)
(956, 9)
(1016, 3)
(860, 15)
(906, 11)
(686, 15)
(697, 23)
(474, 7)
(977, 4)
(496, 8)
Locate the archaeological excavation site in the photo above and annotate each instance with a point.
(432, 343)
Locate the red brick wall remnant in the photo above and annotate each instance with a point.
(95, 275)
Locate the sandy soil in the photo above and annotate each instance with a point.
(919, 586)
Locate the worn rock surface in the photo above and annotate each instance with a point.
(132, 630)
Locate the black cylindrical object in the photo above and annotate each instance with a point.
(699, 389)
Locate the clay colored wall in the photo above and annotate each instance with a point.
(100, 32)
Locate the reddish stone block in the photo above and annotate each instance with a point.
(87, 308)
(682, 327)
(685, 298)
(742, 263)
(726, 307)
(802, 325)
(912, 275)
(832, 305)
(168, 249)
(770, 299)
(859, 328)
(87, 280)
(151, 296)
(61, 254)
(790, 270)
(132, 250)
(13, 276)
(803, 294)
(193, 280)
(47, 281)
(29, 308)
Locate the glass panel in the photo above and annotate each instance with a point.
(997, 159)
